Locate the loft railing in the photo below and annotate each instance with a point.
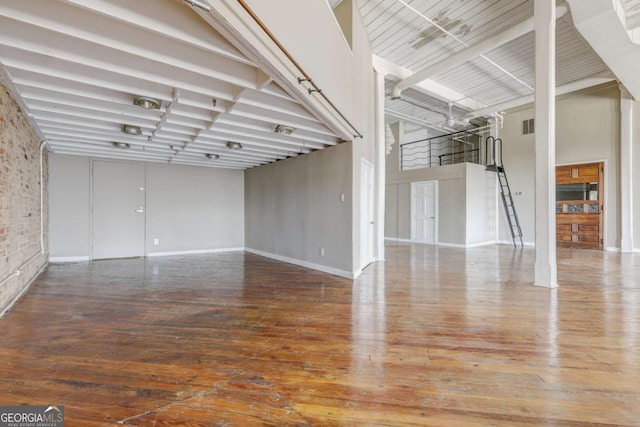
(469, 156)
(458, 147)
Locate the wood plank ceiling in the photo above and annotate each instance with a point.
(78, 65)
(401, 34)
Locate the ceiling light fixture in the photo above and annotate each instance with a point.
(121, 144)
(284, 130)
(234, 145)
(146, 102)
(212, 156)
(131, 130)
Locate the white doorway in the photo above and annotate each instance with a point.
(424, 199)
(367, 223)
(118, 210)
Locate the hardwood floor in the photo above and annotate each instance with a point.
(432, 337)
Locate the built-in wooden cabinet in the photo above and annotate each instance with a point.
(579, 205)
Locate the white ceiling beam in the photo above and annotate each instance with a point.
(428, 87)
(94, 30)
(241, 132)
(255, 144)
(40, 110)
(18, 62)
(523, 100)
(171, 73)
(230, 156)
(397, 91)
(126, 111)
(618, 50)
(472, 51)
(263, 126)
(159, 17)
(414, 120)
(277, 117)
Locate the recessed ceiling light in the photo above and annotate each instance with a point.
(284, 130)
(212, 156)
(146, 102)
(121, 144)
(234, 145)
(131, 130)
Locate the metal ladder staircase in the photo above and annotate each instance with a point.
(505, 190)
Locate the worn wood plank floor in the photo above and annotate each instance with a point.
(432, 337)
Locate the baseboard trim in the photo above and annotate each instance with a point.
(395, 239)
(510, 242)
(61, 259)
(306, 264)
(614, 249)
(194, 252)
(478, 244)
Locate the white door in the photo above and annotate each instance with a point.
(118, 210)
(423, 211)
(366, 214)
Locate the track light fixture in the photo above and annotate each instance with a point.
(146, 102)
(123, 145)
(284, 130)
(131, 130)
(212, 156)
(234, 145)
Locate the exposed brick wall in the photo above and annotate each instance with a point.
(19, 201)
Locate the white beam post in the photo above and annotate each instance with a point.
(626, 169)
(380, 168)
(545, 143)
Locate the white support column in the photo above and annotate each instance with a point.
(545, 143)
(380, 167)
(626, 169)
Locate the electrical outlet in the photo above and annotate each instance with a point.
(321, 251)
(156, 242)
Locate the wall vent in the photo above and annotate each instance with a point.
(527, 126)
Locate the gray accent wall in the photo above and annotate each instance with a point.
(293, 208)
(188, 208)
(194, 208)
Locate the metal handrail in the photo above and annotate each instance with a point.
(428, 152)
(465, 157)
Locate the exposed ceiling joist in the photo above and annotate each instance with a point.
(473, 51)
(523, 100)
(428, 87)
(76, 67)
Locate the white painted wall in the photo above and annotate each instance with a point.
(587, 130)
(636, 175)
(188, 208)
(69, 205)
(481, 198)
